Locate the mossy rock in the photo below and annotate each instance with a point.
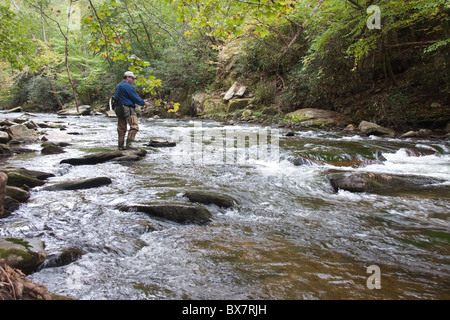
(210, 198)
(16, 179)
(175, 212)
(23, 254)
(375, 182)
(52, 149)
(212, 105)
(17, 193)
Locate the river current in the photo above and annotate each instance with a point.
(289, 236)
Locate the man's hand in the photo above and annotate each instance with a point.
(147, 103)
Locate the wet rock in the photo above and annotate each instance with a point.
(375, 182)
(422, 133)
(17, 193)
(370, 128)
(94, 158)
(52, 125)
(159, 143)
(83, 110)
(80, 184)
(10, 205)
(4, 137)
(23, 254)
(3, 181)
(106, 156)
(175, 212)
(17, 179)
(51, 148)
(63, 258)
(5, 151)
(303, 161)
(32, 173)
(20, 132)
(409, 134)
(204, 197)
(111, 114)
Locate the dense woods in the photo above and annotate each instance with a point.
(381, 60)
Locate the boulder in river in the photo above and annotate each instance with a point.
(63, 258)
(204, 197)
(375, 182)
(17, 193)
(80, 184)
(31, 173)
(24, 254)
(175, 212)
(9, 205)
(51, 148)
(370, 128)
(160, 143)
(83, 110)
(20, 132)
(17, 179)
(4, 137)
(101, 157)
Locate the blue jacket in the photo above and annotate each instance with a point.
(128, 95)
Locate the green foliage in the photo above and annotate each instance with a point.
(15, 47)
(309, 53)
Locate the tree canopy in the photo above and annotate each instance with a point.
(305, 51)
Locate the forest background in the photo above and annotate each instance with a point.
(327, 54)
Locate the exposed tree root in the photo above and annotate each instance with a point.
(15, 286)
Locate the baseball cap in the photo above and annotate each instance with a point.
(129, 74)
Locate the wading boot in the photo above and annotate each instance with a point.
(121, 145)
(129, 146)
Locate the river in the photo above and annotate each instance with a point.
(289, 237)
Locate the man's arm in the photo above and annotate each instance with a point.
(133, 96)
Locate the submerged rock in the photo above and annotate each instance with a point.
(204, 197)
(375, 182)
(51, 148)
(24, 254)
(175, 212)
(63, 258)
(80, 184)
(159, 143)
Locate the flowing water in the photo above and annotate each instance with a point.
(289, 237)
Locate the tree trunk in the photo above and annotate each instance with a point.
(67, 57)
(50, 77)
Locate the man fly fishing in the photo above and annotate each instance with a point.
(129, 98)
